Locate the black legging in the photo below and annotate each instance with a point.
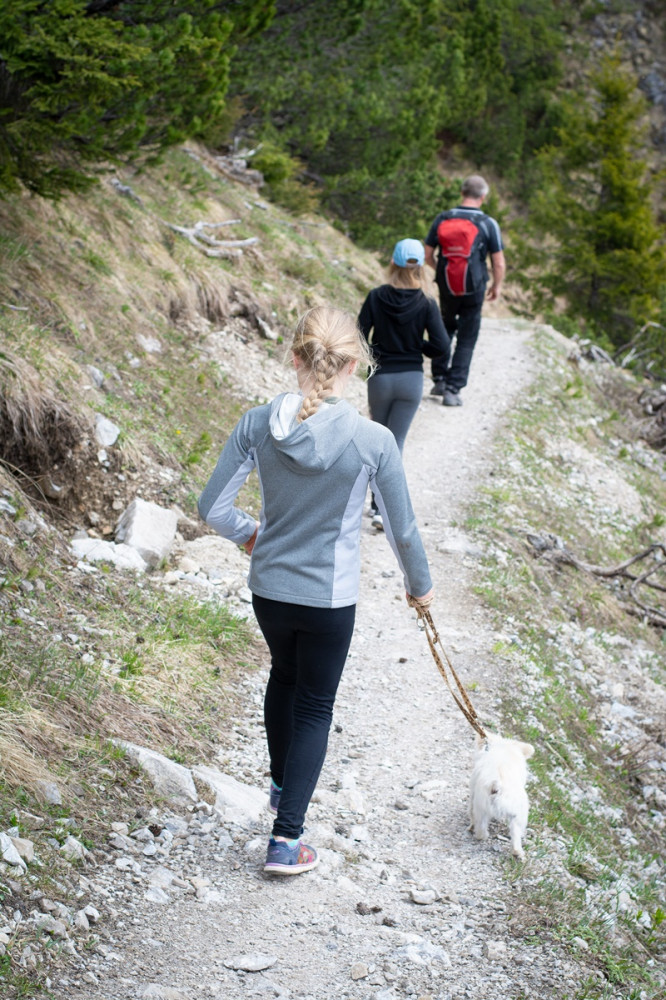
(308, 648)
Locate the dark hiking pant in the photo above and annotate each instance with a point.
(308, 648)
(462, 320)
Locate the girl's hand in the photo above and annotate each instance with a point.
(249, 544)
(421, 602)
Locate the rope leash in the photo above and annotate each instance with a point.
(426, 624)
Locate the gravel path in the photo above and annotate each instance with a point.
(405, 904)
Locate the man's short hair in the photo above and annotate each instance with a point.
(475, 187)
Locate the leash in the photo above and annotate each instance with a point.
(427, 625)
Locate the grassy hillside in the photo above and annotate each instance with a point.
(105, 309)
(576, 496)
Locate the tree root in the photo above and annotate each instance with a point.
(554, 549)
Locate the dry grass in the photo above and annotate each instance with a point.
(82, 281)
(28, 738)
(38, 429)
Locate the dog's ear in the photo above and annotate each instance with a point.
(526, 749)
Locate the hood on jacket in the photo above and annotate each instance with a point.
(317, 443)
(401, 304)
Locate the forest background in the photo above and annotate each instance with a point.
(369, 110)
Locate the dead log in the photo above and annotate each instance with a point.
(208, 244)
(552, 547)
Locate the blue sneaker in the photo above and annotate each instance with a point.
(274, 797)
(290, 857)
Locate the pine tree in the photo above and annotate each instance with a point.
(601, 247)
(88, 81)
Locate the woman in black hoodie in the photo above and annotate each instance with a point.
(394, 320)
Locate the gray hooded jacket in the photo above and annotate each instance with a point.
(314, 478)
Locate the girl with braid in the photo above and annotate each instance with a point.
(315, 457)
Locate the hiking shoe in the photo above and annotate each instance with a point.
(290, 858)
(451, 398)
(439, 388)
(274, 797)
(377, 521)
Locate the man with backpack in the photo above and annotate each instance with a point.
(463, 237)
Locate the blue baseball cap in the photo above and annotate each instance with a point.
(408, 253)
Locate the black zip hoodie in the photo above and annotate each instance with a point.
(398, 319)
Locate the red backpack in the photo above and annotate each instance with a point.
(460, 265)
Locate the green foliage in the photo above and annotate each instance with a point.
(284, 178)
(520, 73)
(88, 81)
(369, 99)
(600, 246)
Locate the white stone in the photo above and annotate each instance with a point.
(96, 375)
(148, 528)
(73, 849)
(91, 913)
(156, 895)
(151, 345)
(169, 778)
(106, 432)
(30, 821)
(423, 952)
(234, 801)
(48, 792)
(9, 854)
(187, 565)
(94, 550)
(495, 951)
(51, 926)
(155, 991)
(161, 877)
(424, 897)
(143, 835)
(25, 848)
(253, 962)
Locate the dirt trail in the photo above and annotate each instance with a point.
(405, 903)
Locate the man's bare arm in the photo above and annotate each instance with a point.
(499, 270)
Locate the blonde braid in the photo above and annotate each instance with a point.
(325, 369)
(327, 339)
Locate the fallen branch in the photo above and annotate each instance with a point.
(211, 246)
(553, 548)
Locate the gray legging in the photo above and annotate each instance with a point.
(394, 399)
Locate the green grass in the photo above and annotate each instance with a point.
(585, 795)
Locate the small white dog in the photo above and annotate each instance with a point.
(497, 788)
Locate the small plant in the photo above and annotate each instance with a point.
(132, 665)
(98, 263)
